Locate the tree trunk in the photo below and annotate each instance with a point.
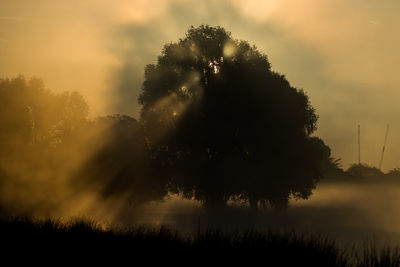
(214, 203)
(253, 202)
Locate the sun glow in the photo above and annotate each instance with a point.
(229, 49)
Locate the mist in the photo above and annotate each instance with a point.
(61, 164)
(62, 154)
(55, 162)
(351, 214)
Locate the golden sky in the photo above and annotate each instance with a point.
(343, 53)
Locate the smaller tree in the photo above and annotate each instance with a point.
(363, 171)
(31, 114)
(35, 126)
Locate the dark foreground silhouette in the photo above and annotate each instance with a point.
(86, 238)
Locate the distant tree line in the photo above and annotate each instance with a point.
(360, 173)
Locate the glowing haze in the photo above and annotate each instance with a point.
(344, 54)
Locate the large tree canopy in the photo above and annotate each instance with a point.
(222, 125)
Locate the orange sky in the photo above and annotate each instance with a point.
(343, 53)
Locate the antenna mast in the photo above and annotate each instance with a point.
(359, 154)
(384, 145)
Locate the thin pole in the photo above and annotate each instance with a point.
(359, 144)
(384, 145)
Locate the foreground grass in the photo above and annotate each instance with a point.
(86, 238)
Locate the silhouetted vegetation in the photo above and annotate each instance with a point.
(32, 115)
(48, 144)
(283, 249)
(35, 126)
(216, 125)
(361, 173)
(85, 238)
(223, 126)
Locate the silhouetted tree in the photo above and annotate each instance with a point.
(363, 171)
(221, 124)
